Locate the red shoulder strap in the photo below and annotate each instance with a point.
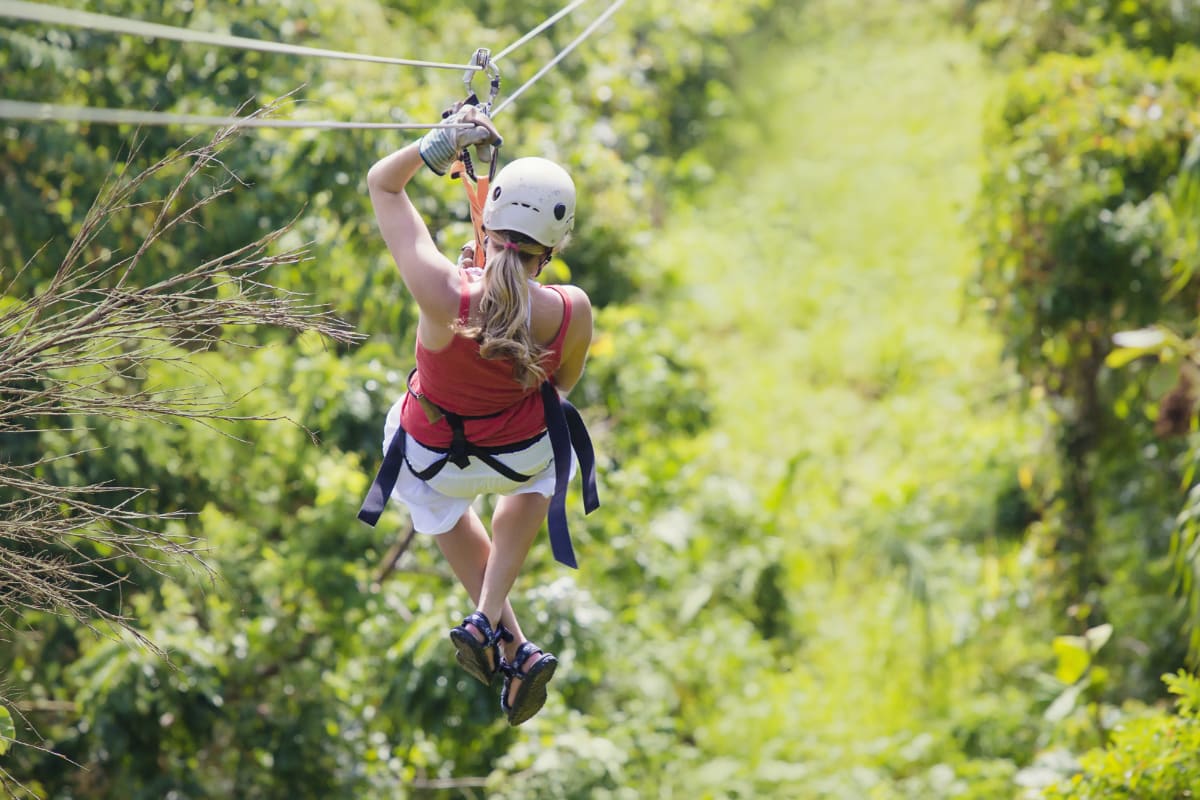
(566, 323)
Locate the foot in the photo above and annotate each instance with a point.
(526, 676)
(476, 643)
(482, 639)
(514, 683)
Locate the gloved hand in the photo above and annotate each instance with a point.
(485, 152)
(466, 256)
(441, 146)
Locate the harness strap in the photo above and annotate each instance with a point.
(385, 479)
(566, 430)
(476, 187)
(582, 443)
(561, 443)
(460, 452)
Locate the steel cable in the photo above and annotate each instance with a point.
(550, 21)
(54, 15)
(596, 23)
(39, 12)
(52, 112)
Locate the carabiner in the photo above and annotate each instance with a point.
(483, 60)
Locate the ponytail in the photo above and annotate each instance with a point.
(504, 332)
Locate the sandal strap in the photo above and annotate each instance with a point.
(490, 636)
(524, 651)
(481, 623)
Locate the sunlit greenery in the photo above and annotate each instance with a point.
(886, 513)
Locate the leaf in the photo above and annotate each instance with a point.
(1124, 355)
(1073, 658)
(1141, 339)
(8, 732)
(1064, 704)
(696, 598)
(1098, 636)
(1025, 477)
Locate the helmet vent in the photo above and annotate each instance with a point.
(560, 211)
(496, 193)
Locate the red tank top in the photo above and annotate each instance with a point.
(458, 379)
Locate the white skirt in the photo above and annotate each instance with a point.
(436, 505)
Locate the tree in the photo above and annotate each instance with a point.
(1075, 222)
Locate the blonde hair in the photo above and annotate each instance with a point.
(505, 308)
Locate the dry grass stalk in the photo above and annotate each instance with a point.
(79, 347)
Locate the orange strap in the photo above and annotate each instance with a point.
(477, 192)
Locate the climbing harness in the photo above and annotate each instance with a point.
(566, 430)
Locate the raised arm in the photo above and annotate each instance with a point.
(429, 275)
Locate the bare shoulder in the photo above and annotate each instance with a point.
(580, 330)
(577, 339)
(578, 296)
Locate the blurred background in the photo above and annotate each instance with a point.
(893, 387)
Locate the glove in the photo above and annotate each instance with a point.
(441, 146)
(466, 256)
(485, 152)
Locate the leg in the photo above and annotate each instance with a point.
(467, 548)
(514, 527)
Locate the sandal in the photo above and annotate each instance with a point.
(472, 653)
(531, 695)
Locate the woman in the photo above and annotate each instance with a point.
(494, 350)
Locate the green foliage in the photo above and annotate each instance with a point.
(895, 662)
(1153, 754)
(818, 569)
(1074, 205)
(79, 67)
(1025, 29)
(1082, 237)
(8, 731)
(1088, 240)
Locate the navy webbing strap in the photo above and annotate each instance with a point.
(587, 456)
(393, 462)
(460, 451)
(385, 479)
(567, 431)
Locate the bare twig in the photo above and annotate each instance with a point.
(388, 565)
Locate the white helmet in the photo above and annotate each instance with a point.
(533, 196)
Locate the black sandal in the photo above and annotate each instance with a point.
(532, 695)
(472, 654)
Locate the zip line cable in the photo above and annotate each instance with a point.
(555, 18)
(54, 15)
(596, 23)
(52, 112)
